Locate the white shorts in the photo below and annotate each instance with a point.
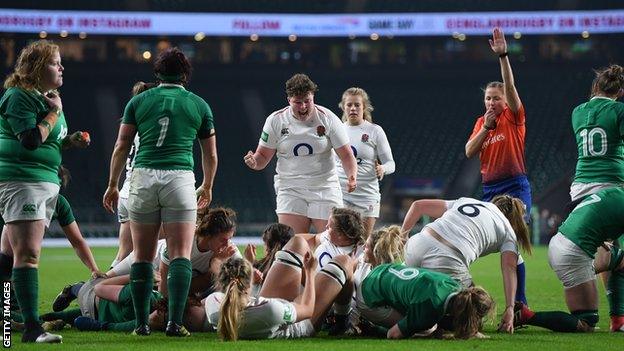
(422, 250)
(578, 190)
(571, 264)
(86, 298)
(122, 210)
(28, 201)
(311, 203)
(365, 208)
(297, 330)
(162, 196)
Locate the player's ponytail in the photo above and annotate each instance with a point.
(388, 244)
(235, 278)
(608, 81)
(469, 309)
(513, 209)
(275, 236)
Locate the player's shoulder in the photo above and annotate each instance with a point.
(279, 115)
(325, 114)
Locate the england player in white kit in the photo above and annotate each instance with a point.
(466, 229)
(303, 136)
(372, 152)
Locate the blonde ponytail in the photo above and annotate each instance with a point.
(513, 209)
(235, 277)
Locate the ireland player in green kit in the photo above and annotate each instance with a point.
(168, 119)
(32, 133)
(576, 254)
(425, 298)
(599, 131)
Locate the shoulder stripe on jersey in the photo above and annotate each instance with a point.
(264, 302)
(320, 109)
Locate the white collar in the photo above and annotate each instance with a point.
(171, 85)
(602, 97)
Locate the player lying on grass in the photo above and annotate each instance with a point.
(106, 300)
(281, 311)
(466, 229)
(576, 253)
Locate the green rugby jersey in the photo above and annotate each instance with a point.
(21, 110)
(599, 131)
(122, 310)
(168, 119)
(598, 218)
(418, 294)
(62, 212)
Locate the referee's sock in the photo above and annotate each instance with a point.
(178, 285)
(141, 283)
(26, 285)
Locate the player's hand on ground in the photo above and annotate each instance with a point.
(506, 324)
(351, 184)
(498, 43)
(250, 160)
(250, 253)
(109, 201)
(98, 274)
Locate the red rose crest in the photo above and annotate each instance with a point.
(320, 131)
(364, 138)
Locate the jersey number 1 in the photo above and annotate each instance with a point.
(164, 124)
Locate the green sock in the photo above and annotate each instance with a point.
(26, 285)
(120, 327)
(6, 267)
(16, 316)
(615, 293)
(178, 284)
(555, 320)
(67, 316)
(141, 284)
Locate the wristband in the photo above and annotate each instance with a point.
(503, 55)
(57, 110)
(488, 128)
(46, 125)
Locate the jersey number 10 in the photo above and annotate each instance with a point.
(589, 147)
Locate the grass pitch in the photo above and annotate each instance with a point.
(60, 267)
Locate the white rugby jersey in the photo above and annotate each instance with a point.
(369, 143)
(262, 318)
(123, 267)
(382, 315)
(304, 149)
(200, 260)
(476, 228)
(124, 193)
(326, 250)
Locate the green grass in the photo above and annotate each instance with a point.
(60, 266)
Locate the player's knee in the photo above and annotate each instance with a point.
(587, 317)
(289, 258)
(334, 271)
(346, 263)
(297, 245)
